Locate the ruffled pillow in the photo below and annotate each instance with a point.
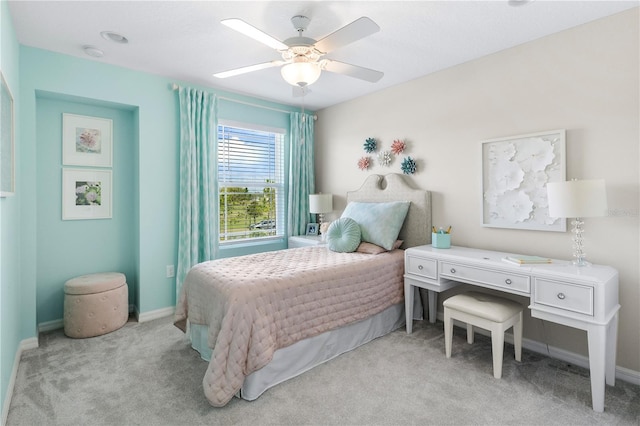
(343, 235)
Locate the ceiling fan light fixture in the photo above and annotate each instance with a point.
(302, 61)
(301, 74)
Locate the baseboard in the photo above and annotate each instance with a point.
(59, 323)
(141, 317)
(156, 314)
(622, 373)
(30, 343)
(628, 375)
(50, 325)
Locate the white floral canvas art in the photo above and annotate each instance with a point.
(515, 172)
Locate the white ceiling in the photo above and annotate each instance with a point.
(184, 40)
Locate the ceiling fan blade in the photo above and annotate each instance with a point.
(360, 28)
(250, 68)
(256, 34)
(353, 71)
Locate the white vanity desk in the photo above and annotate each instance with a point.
(581, 297)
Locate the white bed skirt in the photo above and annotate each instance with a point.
(302, 356)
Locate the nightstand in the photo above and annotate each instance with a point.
(305, 241)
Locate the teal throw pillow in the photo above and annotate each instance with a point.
(380, 223)
(343, 235)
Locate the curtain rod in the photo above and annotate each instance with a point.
(174, 86)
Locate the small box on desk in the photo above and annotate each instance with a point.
(442, 241)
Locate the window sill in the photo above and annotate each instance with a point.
(251, 247)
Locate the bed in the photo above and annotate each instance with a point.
(264, 318)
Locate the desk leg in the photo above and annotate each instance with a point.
(408, 305)
(433, 305)
(597, 337)
(612, 339)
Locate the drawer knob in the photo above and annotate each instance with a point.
(420, 267)
(508, 281)
(561, 296)
(453, 270)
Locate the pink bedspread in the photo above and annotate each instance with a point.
(256, 304)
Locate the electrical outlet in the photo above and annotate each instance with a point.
(171, 272)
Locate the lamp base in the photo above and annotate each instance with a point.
(320, 221)
(579, 256)
(581, 262)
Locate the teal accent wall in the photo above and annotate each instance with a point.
(68, 248)
(145, 105)
(229, 110)
(12, 330)
(52, 83)
(38, 250)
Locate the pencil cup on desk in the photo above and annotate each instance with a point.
(441, 240)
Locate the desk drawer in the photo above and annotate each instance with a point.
(427, 268)
(562, 295)
(488, 278)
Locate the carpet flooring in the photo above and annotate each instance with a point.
(147, 374)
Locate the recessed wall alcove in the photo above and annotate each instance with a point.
(68, 248)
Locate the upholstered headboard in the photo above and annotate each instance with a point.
(416, 230)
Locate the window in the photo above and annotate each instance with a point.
(251, 183)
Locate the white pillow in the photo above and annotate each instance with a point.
(380, 223)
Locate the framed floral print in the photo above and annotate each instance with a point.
(515, 172)
(86, 194)
(86, 141)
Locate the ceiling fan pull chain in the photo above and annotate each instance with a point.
(304, 117)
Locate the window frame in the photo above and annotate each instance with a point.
(280, 187)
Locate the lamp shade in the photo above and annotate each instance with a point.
(320, 203)
(301, 73)
(577, 198)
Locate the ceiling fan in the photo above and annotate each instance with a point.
(302, 57)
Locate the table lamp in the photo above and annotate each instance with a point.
(577, 199)
(320, 204)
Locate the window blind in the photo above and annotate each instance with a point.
(251, 183)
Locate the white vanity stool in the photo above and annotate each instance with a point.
(492, 313)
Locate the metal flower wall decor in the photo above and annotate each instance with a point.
(385, 157)
(408, 166)
(398, 146)
(370, 145)
(364, 163)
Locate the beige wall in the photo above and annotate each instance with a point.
(584, 80)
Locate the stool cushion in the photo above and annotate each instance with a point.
(492, 308)
(94, 283)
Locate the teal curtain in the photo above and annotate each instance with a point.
(301, 171)
(198, 215)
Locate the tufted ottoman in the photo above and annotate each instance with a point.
(95, 304)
